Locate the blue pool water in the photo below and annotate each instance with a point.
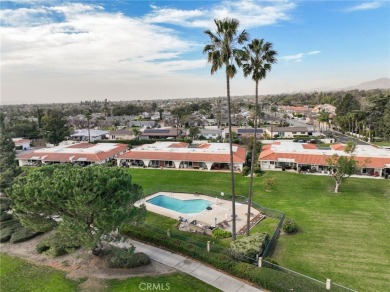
(182, 206)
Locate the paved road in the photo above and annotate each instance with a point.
(193, 268)
(341, 138)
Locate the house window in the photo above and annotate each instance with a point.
(272, 162)
(294, 132)
(303, 132)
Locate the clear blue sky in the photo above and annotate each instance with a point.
(60, 51)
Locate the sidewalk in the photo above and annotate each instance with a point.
(202, 272)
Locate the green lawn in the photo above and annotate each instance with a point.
(177, 282)
(19, 275)
(344, 237)
(382, 143)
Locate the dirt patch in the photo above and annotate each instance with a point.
(81, 264)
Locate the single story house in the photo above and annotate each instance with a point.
(286, 132)
(211, 133)
(303, 156)
(121, 134)
(143, 124)
(22, 143)
(249, 132)
(179, 155)
(79, 153)
(83, 135)
(160, 133)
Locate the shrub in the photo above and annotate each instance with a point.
(5, 234)
(4, 204)
(269, 183)
(14, 223)
(56, 245)
(289, 226)
(220, 233)
(4, 216)
(23, 234)
(131, 261)
(246, 249)
(246, 170)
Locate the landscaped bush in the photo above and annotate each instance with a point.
(246, 170)
(220, 233)
(246, 249)
(4, 216)
(4, 204)
(14, 223)
(56, 245)
(23, 234)
(126, 258)
(5, 234)
(289, 226)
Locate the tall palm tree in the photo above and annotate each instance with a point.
(324, 117)
(221, 53)
(88, 116)
(256, 60)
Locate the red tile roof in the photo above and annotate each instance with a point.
(316, 159)
(178, 145)
(337, 147)
(81, 145)
(309, 146)
(238, 157)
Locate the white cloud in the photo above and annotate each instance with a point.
(252, 13)
(89, 40)
(298, 57)
(365, 6)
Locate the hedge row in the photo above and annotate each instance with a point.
(23, 234)
(271, 279)
(11, 230)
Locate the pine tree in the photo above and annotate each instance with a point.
(8, 165)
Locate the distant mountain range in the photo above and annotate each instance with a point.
(381, 83)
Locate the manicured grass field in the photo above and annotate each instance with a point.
(19, 275)
(344, 237)
(177, 282)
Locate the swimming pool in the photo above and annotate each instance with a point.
(182, 206)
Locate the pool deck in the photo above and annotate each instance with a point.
(221, 210)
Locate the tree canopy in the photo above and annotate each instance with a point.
(8, 167)
(54, 127)
(343, 166)
(91, 202)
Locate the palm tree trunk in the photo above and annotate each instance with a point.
(231, 160)
(248, 218)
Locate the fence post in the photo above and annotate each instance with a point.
(168, 233)
(260, 262)
(328, 284)
(208, 246)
